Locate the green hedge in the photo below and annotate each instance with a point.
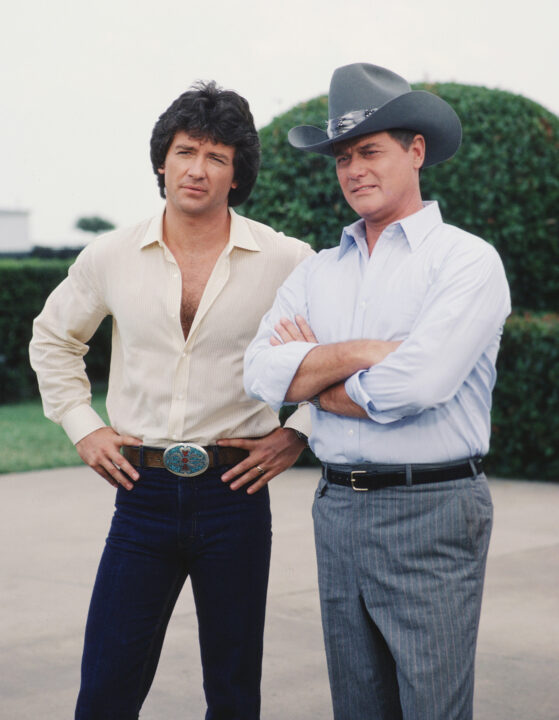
(525, 420)
(24, 287)
(503, 184)
(525, 417)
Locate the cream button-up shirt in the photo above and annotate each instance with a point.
(163, 388)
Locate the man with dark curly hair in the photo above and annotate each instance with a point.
(189, 453)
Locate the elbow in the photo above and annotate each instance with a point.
(250, 383)
(293, 395)
(424, 394)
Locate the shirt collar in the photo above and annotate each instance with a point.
(154, 233)
(239, 233)
(415, 229)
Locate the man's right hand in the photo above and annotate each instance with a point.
(101, 451)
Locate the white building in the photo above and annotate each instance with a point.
(14, 231)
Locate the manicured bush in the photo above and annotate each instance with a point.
(24, 287)
(503, 184)
(525, 421)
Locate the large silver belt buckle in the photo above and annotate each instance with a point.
(186, 459)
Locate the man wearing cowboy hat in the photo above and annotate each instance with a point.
(393, 336)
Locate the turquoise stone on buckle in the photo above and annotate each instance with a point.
(186, 459)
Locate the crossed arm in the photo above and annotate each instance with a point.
(325, 369)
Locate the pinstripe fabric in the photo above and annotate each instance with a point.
(401, 575)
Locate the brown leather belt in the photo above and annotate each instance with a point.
(152, 457)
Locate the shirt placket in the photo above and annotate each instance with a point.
(367, 300)
(178, 415)
(358, 330)
(180, 379)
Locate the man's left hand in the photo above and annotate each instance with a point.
(268, 456)
(298, 331)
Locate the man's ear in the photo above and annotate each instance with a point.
(161, 170)
(417, 148)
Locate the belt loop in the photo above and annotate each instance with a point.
(215, 453)
(408, 476)
(473, 468)
(141, 456)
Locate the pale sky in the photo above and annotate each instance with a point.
(82, 83)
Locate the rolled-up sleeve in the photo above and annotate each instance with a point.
(268, 369)
(461, 319)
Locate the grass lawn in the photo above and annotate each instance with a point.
(28, 441)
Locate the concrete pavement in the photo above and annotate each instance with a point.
(52, 528)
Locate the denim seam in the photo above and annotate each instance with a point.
(165, 613)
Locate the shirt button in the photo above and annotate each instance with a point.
(363, 305)
(350, 432)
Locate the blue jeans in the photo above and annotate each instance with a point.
(165, 529)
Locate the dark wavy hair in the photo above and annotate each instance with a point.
(208, 112)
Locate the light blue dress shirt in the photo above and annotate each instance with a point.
(440, 290)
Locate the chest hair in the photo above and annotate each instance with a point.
(195, 277)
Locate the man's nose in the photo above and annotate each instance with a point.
(197, 167)
(356, 168)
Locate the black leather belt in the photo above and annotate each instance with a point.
(373, 477)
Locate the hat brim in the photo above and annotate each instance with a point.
(418, 110)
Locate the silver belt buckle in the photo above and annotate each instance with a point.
(353, 480)
(186, 459)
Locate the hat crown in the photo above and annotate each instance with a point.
(361, 86)
(366, 99)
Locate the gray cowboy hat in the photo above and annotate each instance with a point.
(366, 98)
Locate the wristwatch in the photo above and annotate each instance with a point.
(316, 402)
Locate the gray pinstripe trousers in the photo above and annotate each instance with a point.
(401, 574)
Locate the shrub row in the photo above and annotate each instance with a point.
(24, 286)
(525, 438)
(525, 421)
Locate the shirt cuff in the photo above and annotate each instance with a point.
(355, 392)
(300, 420)
(278, 368)
(81, 421)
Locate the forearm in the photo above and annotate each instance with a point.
(327, 365)
(336, 400)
